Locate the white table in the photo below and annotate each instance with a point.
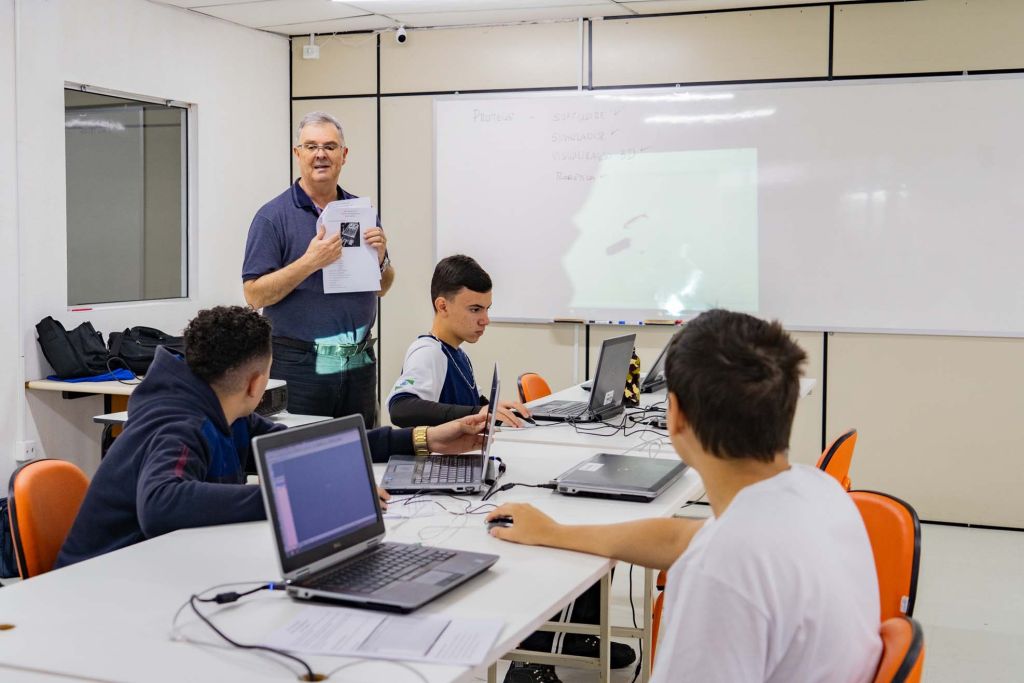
(284, 417)
(641, 439)
(108, 619)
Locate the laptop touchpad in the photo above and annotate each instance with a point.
(436, 578)
(404, 469)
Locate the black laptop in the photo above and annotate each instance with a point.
(466, 473)
(624, 477)
(607, 396)
(650, 381)
(320, 497)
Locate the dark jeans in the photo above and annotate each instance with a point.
(318, 389)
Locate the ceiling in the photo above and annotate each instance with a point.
(294, 17)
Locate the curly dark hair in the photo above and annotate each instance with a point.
(224, 338)
(737, 381)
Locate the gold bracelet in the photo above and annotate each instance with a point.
(419, 441)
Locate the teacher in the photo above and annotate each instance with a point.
(322, 343)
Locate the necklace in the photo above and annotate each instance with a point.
(471, 380)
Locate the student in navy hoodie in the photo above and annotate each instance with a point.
(180, 461)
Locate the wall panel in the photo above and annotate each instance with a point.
(938, 421)
(347, 66)
(527, 56)
(785, 43)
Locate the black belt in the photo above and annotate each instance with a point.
(340, 350)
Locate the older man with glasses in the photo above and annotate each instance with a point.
(323, 346)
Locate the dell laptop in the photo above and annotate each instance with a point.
(467, 473)
(321, 500)
(625, 477)
(608, 390)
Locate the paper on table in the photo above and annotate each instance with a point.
(358, 269)
(342, 631)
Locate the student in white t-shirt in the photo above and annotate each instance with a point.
(779, 584)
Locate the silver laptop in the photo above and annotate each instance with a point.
(320, 497)
(467, 473)
(609, 386)
(625, 477)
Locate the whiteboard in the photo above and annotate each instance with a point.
(893, 205)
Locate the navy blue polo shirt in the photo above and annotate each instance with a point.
(279, 235)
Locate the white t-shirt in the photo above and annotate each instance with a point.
(781, 588)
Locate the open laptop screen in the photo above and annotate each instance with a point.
(319, 490)
(610, 378)
(492, 416)
(305, 475)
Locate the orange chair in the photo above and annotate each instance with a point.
(902, 651)
(43, 499)
(836, 458)
(532, 386)
(895, 535)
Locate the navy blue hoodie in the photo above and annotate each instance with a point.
(178, 464)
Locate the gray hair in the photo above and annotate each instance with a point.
(319, 117)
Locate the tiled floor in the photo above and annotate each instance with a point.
(970, 601)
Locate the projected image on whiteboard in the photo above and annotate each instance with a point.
(667, 233)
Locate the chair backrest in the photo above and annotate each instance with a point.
(532, 386)
(902, 651)
(895, 535)
(43, 499)
(837, 457)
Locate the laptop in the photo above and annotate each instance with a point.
(655, 377)
(609, 386)
(319, 493)
(624, 477)
(650, 381)
(467, 473)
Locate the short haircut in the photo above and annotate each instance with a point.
(455, 272)
(737, 381)
(315, 117)
(221, 341)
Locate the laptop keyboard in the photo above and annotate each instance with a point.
(388, 564)
(563, 408)
(443, 469)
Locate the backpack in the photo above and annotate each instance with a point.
(136, 347)
(78, 353)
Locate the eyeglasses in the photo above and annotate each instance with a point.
(311, 148)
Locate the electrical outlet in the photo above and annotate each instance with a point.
(27, 450)
(311, 52)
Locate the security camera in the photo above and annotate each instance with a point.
(400, 35)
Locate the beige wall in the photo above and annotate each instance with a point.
(935, 414)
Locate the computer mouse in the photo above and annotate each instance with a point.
(503, 522)
(523, 417)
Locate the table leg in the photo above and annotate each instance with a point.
(605, 651)
(492, 673)
(648, 640)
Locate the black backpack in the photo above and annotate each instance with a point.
(78, 353)
(135, 348)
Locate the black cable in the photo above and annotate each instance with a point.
(513, 484)
(632, 608)
(232, 596)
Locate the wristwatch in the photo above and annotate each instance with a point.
(419, 441)
(386, 262)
